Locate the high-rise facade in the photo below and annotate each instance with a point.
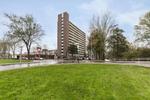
(69, 34)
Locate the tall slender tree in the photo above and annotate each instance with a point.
(4, 48)
(117, 44)
(14, 43)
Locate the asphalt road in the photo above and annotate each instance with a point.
(139, 63)
(25, 65)
(50, 62)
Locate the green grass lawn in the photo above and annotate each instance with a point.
(76, 82)
(11, 61)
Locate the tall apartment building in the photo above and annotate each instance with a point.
(67, 34)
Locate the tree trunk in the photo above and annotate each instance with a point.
(28, 53)
(103, 56)
(14, 53)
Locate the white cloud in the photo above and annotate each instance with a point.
(50, 27)
(127, 13)
(3, 28)
(131, 18)
(96, 6)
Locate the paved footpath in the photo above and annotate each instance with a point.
(139, 63)
(50, 62)
(25, 65)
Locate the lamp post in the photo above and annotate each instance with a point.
(91, 48)
(21, 54)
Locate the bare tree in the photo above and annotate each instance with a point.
(100, 28)
(25, 29)
(14, 43)
(4, 48)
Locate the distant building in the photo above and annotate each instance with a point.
(67, 34)
(52, 52)
(40, 53)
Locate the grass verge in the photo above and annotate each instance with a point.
(12, 61)
(76, 82)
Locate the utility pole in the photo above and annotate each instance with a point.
(21, 54)
(91, 49)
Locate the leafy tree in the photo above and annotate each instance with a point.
(25, 29)
(143, 29)
(118, 44)
(72, 49)
(132, 53)
(135, 53)
(95, 45)
(144, 52)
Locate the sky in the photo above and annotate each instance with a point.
(125, 12)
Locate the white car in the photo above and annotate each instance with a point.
(107, 60)
(41, 58)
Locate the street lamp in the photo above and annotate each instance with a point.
(91, 49)
(21, 53)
